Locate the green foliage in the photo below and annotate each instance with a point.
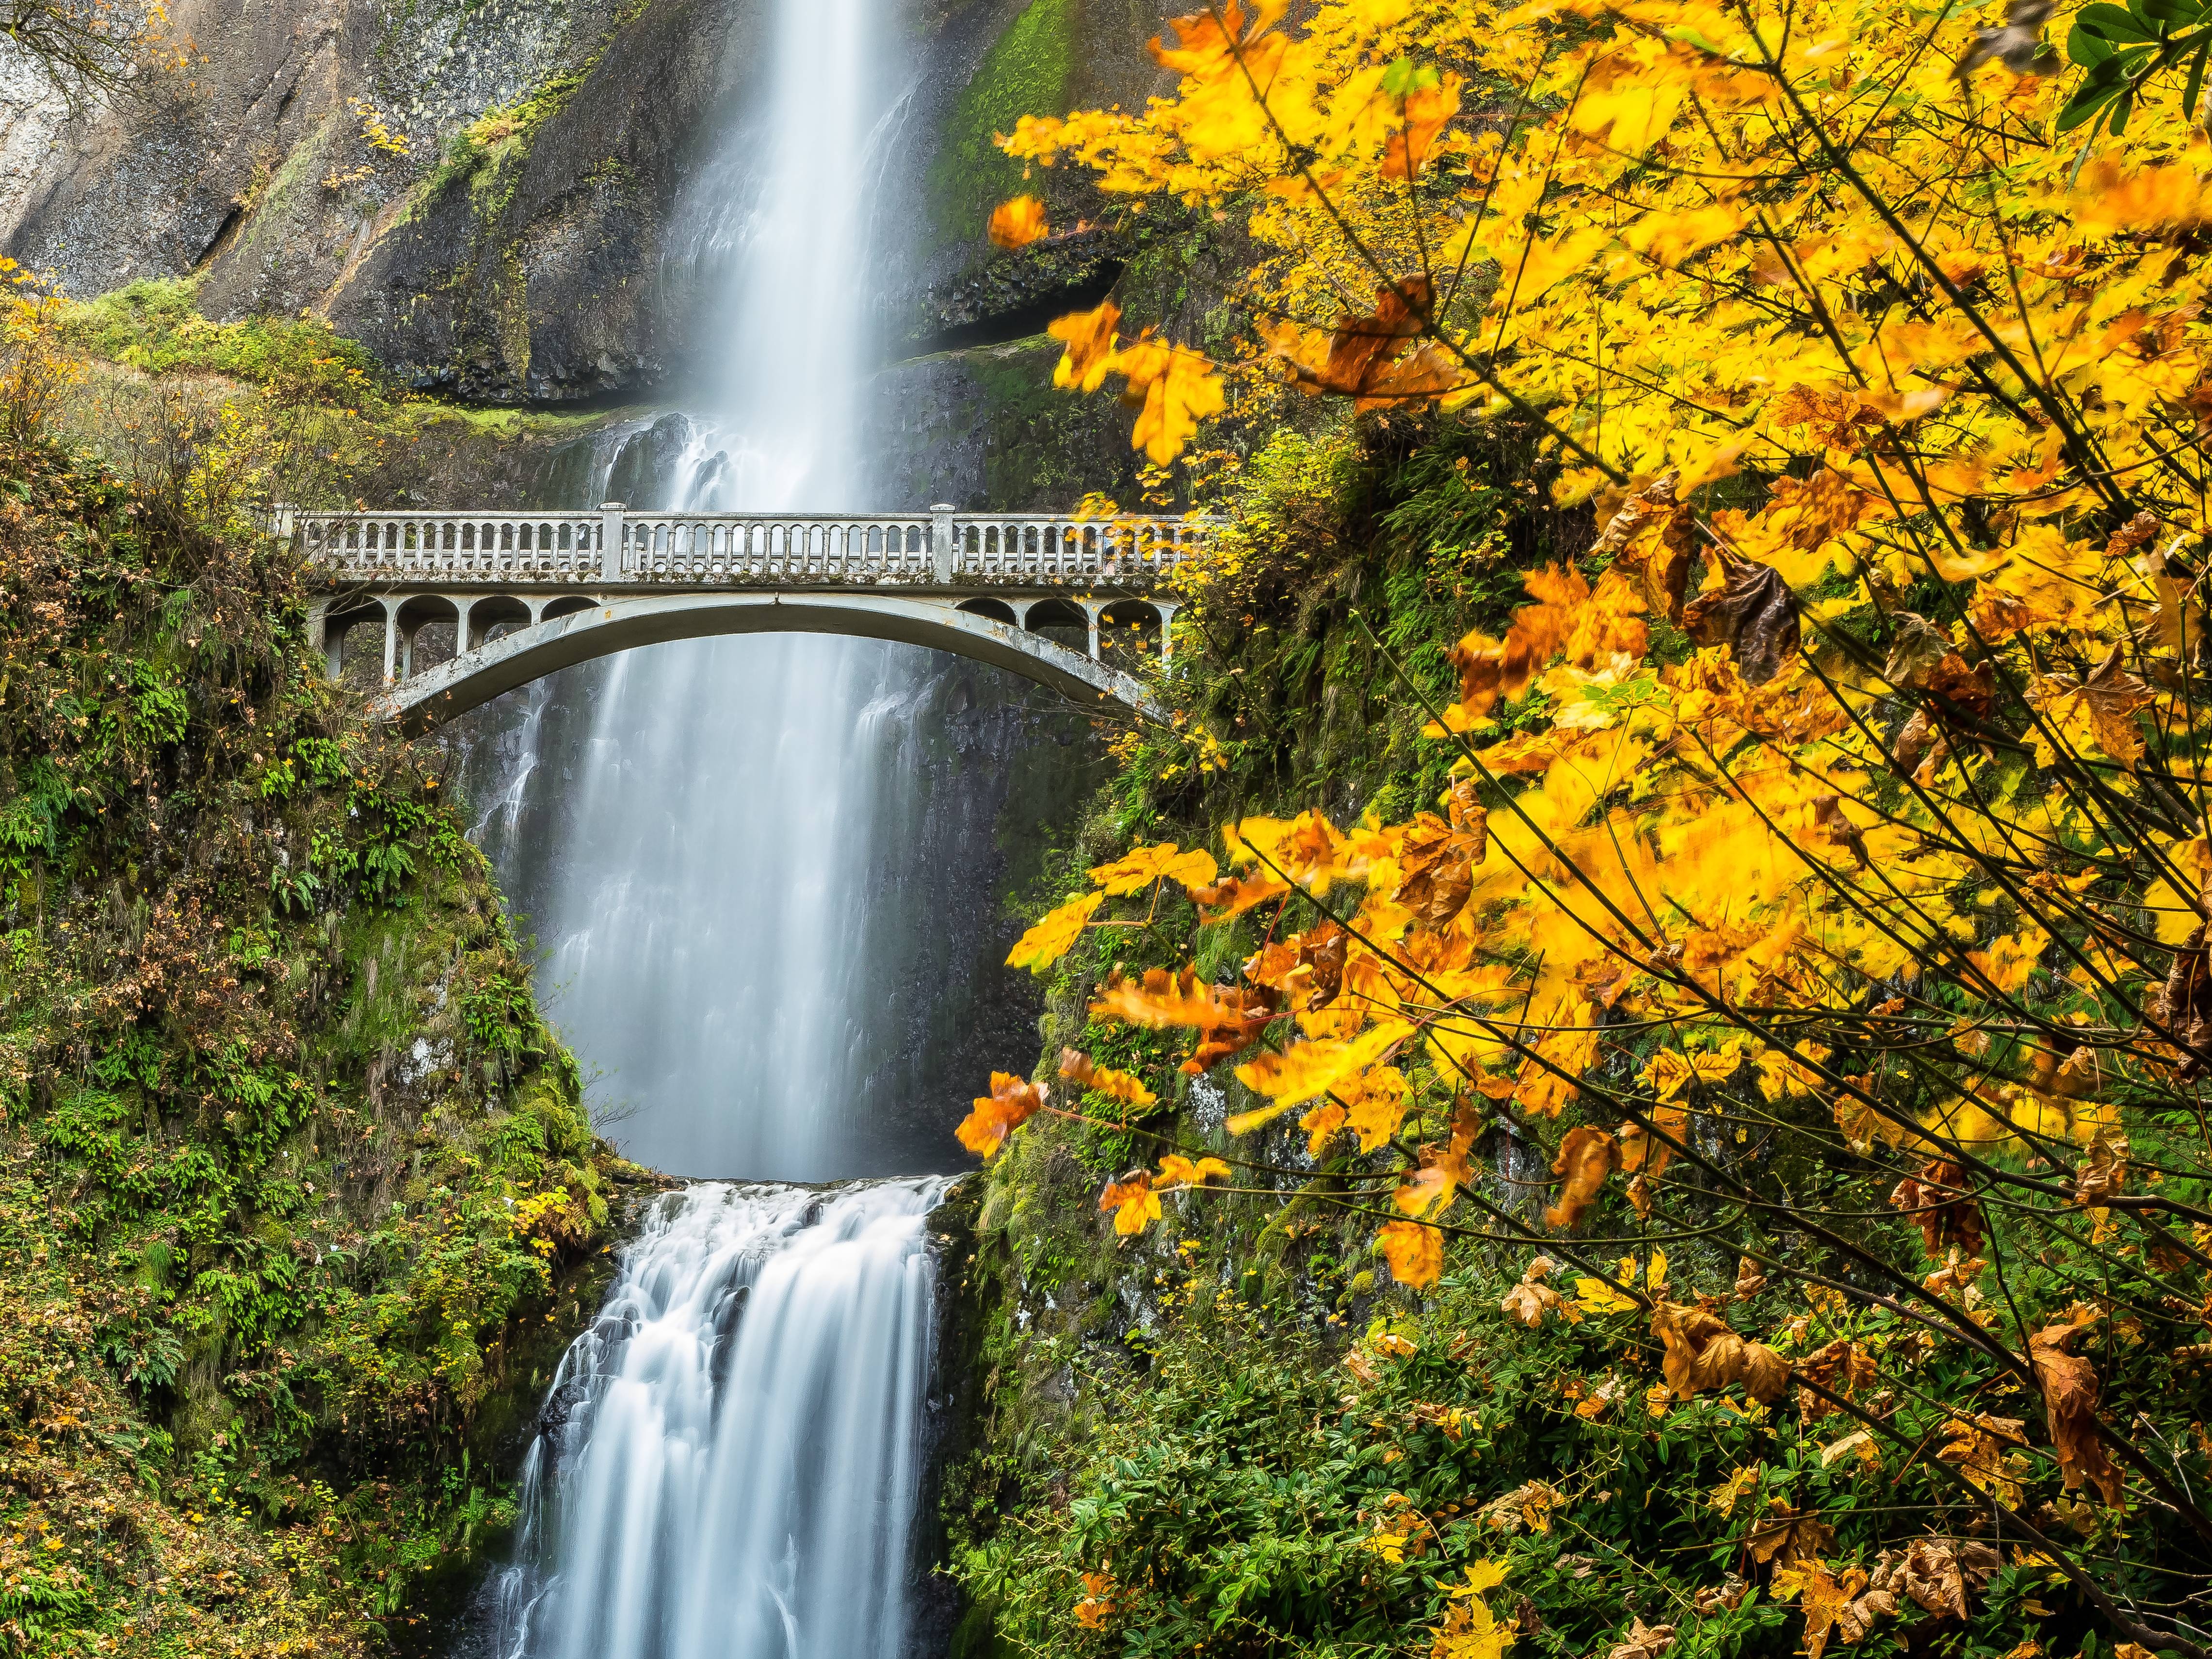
(154, 325)
(274, 1251)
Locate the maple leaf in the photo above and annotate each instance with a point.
(2183, 1006)
(1939, 1573)
(1304, 1070)
(1010, 1103)
(1089, 337)
(2108, 696)
(1785, 1536)
(1130, 1090)
(1414, 1250)
(1831, 1603)
(1233, 895)
(1425, 110)
(1733, 1491)
(1139, 870)
(2070, 1388)
(1642, 1642)
(1361, 348)
(1587, 1156)
(1750, 1278)
(1528, 1504)
(1598, 1297)
(1374, 1105)
(1047, 942)
(1019, 223)
(2102, 1172)
(1098, 1601)
(1841, 1367)
(1177, 390)
(1321, 954)
(1436, 865)
(1981, 1449)
(1939, 1203)
(1529, 1301)
(1702, 1350)
(1754, 615)
(1132, 1199)
(1161, 999)
(1177, 1170)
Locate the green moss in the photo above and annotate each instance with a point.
(154, 325)
(296, 1190)
(1026, 72)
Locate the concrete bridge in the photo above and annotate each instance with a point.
(525, 593)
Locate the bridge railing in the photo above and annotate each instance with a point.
(615, 546)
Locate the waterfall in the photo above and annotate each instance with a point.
(702, 854)
(729, 1457)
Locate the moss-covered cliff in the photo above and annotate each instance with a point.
(300, 1201)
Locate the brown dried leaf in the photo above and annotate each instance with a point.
(1587, 1156)
(1786, 1536)
(1643, 1641)
(1704, 1352)
(1754, 615)
(2070, 1401)
(1942, 1204)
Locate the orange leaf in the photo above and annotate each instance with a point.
(1019, 223)
(1077, 1065)
(1090, 337)
(1415, 1252)
(1011, 1102)
(1177, 1170)
(1133, 1201)
(1587, 1156)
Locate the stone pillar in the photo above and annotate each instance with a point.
(610, 540)
(318, 619)
(390, 638)
(1167, 608)
(940, 542)
(1091, 609)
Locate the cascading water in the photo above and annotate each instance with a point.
(729, 1456)
(732, 855)
(701, 866)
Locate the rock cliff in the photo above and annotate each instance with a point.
(517, 202)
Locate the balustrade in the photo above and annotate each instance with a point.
(712, 549)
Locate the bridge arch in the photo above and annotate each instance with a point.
(560, 641)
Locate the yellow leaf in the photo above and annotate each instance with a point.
(1306, 1069)
(1047, 942)
(1133, 1201)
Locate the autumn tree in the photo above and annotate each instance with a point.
(1843, 800)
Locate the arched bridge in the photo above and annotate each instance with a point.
(1058, 599)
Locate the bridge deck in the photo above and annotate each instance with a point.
(527, 592)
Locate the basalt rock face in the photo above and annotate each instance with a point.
(522, 202)
(480, 190)
(543, 267)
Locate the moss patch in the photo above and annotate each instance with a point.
(1026, 72)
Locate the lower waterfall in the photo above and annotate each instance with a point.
(729, 1459)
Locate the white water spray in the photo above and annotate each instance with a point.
(705, 913)
(731, 1458)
